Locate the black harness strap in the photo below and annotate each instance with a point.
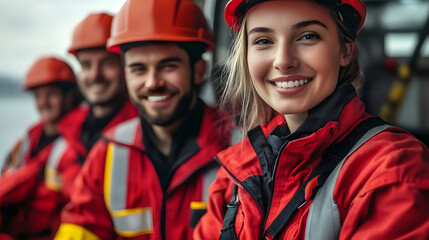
(330, 159)
(228, 230)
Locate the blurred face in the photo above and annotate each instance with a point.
(49, 103)
(101, 79)
(161, 82)
(294, 54)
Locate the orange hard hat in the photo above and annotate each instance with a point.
(48, 70)
(236, 9)
(91, 32)
(159, 20)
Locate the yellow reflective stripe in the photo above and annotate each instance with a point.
(125, 212)
(68, 231)
(127, 222)
(133, 233)
(53, 179)
(198, 205)
(107, 175)
(133, 222)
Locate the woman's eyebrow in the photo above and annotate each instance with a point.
(260, 30)
(307, 23)
(296, 26)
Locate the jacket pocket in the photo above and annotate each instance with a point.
(198, 209)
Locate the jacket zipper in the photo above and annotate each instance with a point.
(272, 192)
(164, 203)
(165, 197)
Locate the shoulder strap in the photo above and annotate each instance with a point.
(332, 157)
(228, 230)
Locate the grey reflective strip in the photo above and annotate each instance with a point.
(23, 150)
(125, 132)
(118, 177)
(209, 177)
(323, 221)
(56, 153)
(134, 222)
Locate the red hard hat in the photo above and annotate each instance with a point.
(48, 70)
(159, 20)
(91, 32)
(231, 15)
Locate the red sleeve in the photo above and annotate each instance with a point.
(211, 223)
(11, 158)
(87, 206)
(17, 185)
(397, 211)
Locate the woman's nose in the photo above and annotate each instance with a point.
(285, 58)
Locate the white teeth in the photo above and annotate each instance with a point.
(291, 84)
(156, 98)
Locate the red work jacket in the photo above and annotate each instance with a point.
(40, 189)
(381, 192)
(98, 205)
(33, 195)
(70, 126)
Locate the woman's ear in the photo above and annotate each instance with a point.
(347, 54)
(199, 71)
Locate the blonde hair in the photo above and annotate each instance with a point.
(239, 95)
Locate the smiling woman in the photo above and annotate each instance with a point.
(297, 50)
(314, 164)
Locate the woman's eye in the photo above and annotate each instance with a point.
(310, 36)
(261, 41)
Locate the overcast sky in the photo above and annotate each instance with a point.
(30, 29)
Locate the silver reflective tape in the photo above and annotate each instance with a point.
(23, 149)
(119, 176)
(56, 153)
(126, 131)
(323, 221)
(134, 222)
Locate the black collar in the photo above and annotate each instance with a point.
(184, 144)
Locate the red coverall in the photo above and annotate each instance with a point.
(30, 186)
(26, 190)
(168, 211)
(382, 191)
(71, 125)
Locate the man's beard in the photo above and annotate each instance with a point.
(117, 97)
(113, 100)
(181, 110)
